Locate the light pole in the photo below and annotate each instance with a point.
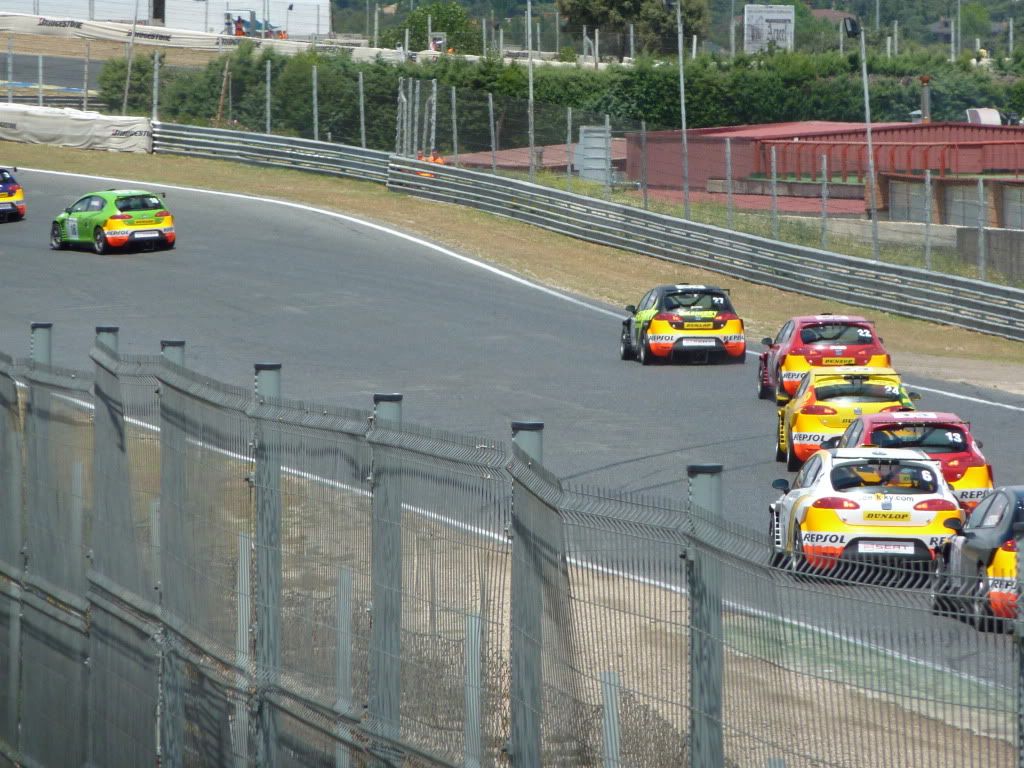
(852, 30)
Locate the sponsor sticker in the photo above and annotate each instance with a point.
(792, 375)
(661, 338)
(6, 206)
(812, 537)
(837, 360)
(810, 437)
(732, 338)
(696, 326)
(970, 494)
(72, 226)
(885, 548)
(698, 342)
(887, 516)
(140, 235)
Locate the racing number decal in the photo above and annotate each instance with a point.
(72, 225)
(954, 437)
(864, 333)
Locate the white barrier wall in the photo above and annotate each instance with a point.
(74, 128)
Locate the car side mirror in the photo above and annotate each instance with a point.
(631, 308)
(980, 444)
(767, 341)
(15, 169)
(68, 209)
(915, 396)
(953, 524)
(782, 484)
(832, 442)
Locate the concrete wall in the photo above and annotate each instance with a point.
(1004, 250)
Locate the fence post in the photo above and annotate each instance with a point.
(386, 569)
(824, 202)
(704, 589)
(400, 119)
(362, 112)
(343, 661)
(13, 530)
(568, 149)
(775, 196)
(268, 556)
(643, 163)
(39, 80)
(240, 737)
(433, 117)
(316, 105)
(928, 219)
(494, 145)
(10, 70)
(982, 221)
(682, 112)
(415, 118)
(267, 98)
(728, 184)
(156, 87)
(527, 608)
(608, 155)
(455, 131)
(632, 43)
(1018, 641)
(85, 77)
(610, 723)
(529, 106)
(472, 735)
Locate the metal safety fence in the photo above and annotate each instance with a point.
(201, 574)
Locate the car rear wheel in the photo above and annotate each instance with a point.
(798, 566)
(625, 346)
(56, 240)
(644, 353)
(793, 462)
(762, 389)
(940, 602)
(99, 241)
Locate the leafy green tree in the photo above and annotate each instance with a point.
(463, 33)
(976, 23)
(654, 21)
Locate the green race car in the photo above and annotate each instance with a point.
(114, 218)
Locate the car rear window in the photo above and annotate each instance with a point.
(890, 476)
(932, 438)
(697, 301)
(837, 333)
(859, 390)
(138, 203)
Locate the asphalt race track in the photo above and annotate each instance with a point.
(350, 310)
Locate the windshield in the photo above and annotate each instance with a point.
(888, 476)
(932, 438)
(696, 301)
(860, 390)
(836, 333)
(138, 203)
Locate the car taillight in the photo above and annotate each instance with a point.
(835, 502)
(799, 351)
(120, 217)
(668, 317)
(955, 469)
(161, 214)
(14, 188)
(936, 505)
(1010, 545)
(894, 408)
(818, 410)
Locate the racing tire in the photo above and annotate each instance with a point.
(798, 567)
(762, 389)
(779, 557)
(780, 453)
(980, 610)
(99, 242)
(56, 240)
(644, 353)
(626, 351)
(793, 462)
(941, 603)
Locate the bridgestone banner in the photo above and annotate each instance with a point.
(74, 128)
(25, 24)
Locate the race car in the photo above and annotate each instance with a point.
(816, 341)
(114, 218)
(864, 506)
(976, 571)
(12, 196)
(828, 400)
(694, 322)
(945, 437)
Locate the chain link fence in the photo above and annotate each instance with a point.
(215, 574)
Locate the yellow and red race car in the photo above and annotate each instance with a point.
(976, 572)
(816, 341)
(828, 400)
(694, 322)
(12, 196)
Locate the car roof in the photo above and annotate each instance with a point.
(691, 287)
(820, 371)
(119, 192)
(808, 319)
(910, 417)
(867, 452)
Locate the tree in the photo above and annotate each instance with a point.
(463, 33)
(976, 23)
(654, 21)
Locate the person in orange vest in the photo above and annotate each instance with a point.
(422, 159)
(435, 157)
(239, 27)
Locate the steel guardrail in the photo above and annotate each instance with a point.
(901, 290)
(274, 151)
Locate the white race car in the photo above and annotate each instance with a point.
(872, 506)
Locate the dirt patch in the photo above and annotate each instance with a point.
(618, 277)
